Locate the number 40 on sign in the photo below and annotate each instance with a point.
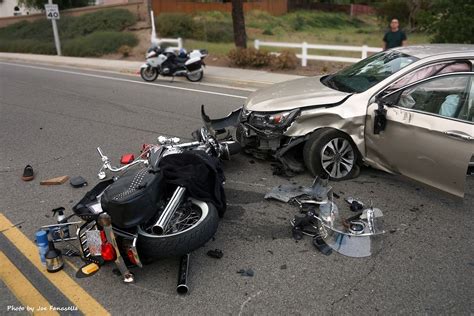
(52, 11)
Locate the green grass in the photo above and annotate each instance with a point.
(313, 27)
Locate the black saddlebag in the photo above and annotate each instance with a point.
(133, 198)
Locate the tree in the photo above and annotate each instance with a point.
(63, 4)
(451, 21)
(238, 21)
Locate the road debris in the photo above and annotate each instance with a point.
(55, 181)
(248, 272)
(78, 182)
(28, 173)
(331, 228)
(216, 253)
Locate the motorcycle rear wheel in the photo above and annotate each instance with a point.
(195, 77)
(191, 227)
(149, 74)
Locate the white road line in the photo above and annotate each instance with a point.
(127, 80)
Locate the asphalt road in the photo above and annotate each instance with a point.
(54, 120)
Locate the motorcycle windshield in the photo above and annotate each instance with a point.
(353, 246)
(352, 237)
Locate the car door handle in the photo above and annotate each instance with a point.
(459, 135)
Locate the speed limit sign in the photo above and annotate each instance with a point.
(52, 11)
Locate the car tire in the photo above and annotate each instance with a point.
(332, 152)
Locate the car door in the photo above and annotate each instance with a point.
(427, 131)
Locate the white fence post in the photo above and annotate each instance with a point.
(364, 51)
(256, 44)
(304, 54)
(180, 43)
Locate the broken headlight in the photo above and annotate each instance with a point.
(273, 120)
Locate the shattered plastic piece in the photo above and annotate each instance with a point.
(355, 205)
(216, 253)
(78, 182)
(319, 243)
(319, 192)
(248, 272)
(297, 233)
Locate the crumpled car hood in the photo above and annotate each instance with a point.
(293, 94)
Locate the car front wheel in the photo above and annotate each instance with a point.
(332, 152)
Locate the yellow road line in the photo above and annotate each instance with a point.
(73, 291)
(31, 300)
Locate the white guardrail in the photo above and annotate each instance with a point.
(305, 46)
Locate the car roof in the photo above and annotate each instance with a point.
(423, 51)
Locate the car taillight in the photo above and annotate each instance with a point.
(107, 250)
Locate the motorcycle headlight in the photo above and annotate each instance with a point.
(274, 120)
(151, 54)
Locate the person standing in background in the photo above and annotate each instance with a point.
(394, 37)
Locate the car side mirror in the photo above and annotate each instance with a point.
(380, 118)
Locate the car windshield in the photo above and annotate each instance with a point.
(368, 72)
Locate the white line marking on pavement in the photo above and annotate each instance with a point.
(127, 80)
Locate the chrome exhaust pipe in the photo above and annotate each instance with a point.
(182, 287)
(163, 221)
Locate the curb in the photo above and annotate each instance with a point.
(210, 79)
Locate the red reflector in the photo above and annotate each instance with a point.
(127, 158)
(131, 257)
(108, 252)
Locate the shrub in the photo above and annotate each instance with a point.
(104, 20)
(267, 32)
(27, 46)
(286, 60)
(250, 57)
(124, 50)
(98, 43)
(70, 26)
(214, 32)
(37, 30)
(175, 25)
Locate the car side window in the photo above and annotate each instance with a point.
(467, 111)
(432, 70)
(449, 96)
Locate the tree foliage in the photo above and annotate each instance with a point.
(63, 4)
(449, 21)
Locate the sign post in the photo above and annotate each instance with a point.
(52, 13)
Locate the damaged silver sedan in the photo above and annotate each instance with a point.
(407, 111)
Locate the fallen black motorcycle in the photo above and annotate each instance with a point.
(164, 203)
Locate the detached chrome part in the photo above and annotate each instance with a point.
(161, 225)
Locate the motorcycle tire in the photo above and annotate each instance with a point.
(151, 246)
(195, 77)
(149, 74)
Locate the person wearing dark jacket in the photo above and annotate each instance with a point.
(394, 37)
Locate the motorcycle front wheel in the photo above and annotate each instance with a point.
(195, 77)
(193, 224)
(149, 73)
